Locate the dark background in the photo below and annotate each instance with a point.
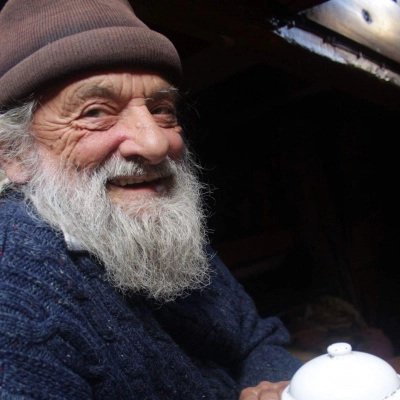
(302, 153)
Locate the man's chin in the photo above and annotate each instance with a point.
(126, 199)
(140, 205)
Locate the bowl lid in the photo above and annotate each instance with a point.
(343, 374)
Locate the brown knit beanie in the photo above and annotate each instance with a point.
(45, 40)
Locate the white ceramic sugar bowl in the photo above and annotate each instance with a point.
(343, 374)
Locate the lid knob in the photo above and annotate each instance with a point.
(339, 349)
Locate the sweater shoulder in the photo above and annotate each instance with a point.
(23, 233)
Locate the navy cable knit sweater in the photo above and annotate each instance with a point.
(66, 333)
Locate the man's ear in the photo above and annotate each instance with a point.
(15, 171)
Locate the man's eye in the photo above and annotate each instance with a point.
(94, 113)
(163, 110)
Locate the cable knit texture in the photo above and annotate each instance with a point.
(66, 333)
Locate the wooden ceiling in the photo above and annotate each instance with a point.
(217, 40)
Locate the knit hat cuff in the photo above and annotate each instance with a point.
(95, 49)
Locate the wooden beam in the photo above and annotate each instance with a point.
(371, 23)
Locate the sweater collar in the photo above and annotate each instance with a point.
(73, 244)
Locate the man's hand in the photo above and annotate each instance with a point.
(264, 391)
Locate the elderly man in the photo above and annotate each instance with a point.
(108, 287)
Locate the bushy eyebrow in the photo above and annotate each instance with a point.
(96, 91)
(167, 92)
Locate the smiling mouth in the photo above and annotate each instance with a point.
(154, 184)
(129, 181)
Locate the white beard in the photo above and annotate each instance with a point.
(155, 245)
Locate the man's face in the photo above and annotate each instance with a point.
(85, 122)
(112, 172)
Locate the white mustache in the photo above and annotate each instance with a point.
(118, 167)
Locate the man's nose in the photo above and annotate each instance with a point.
(143, 137)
